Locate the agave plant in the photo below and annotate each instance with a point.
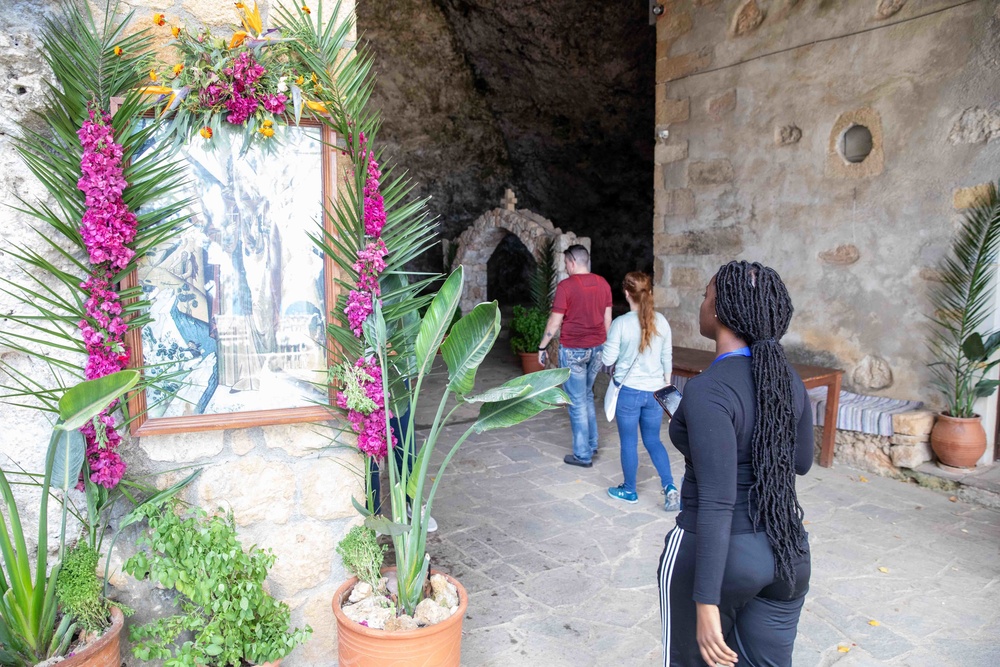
(29, 631)
(963, 301)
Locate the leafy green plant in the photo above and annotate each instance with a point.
(963, 301)
(527, 328)
(29, 631)
(223, 604)
(362, 554)
(469, 341)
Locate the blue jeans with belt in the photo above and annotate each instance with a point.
(583, 363)
(638, 412)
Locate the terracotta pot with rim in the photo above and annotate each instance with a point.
(105, 651)
(958, 442)
(529, 362)
(439, 645)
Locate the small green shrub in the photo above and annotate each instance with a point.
(527, 328)
(223, 602)
(79, 590)
(362, 554)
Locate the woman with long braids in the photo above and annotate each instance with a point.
(639, 347)
(735, 570)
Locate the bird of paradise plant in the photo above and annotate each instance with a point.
(376, 234)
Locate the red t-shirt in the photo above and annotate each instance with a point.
(582, 299)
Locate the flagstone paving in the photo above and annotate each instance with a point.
(559, 574)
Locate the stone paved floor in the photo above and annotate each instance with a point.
(559, 574)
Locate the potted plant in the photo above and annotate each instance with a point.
(468, 342)
(963, 301)
(528, 324)
(36, 622)
(231, 619)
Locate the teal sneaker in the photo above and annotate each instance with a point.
(673, 501)
(620, 493)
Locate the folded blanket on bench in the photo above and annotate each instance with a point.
(857, 412)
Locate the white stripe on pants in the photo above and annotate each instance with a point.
(666, 574)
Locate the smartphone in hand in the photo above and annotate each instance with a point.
(669, 398)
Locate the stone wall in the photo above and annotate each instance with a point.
(475, 246)
(289, 486)
(752, 100)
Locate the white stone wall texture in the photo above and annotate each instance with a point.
(289, 486)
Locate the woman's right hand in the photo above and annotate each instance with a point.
(712, 644)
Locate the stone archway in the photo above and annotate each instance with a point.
(476, 245)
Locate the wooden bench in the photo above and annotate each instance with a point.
(688, 362)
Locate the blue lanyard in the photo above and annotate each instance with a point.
(742, 352)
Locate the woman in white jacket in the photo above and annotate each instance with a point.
(639, 346)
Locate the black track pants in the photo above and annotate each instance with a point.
(760, 615)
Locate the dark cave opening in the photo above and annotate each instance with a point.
(508, 273)
(552, 98)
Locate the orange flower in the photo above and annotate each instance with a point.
(300, 80)
(306, 9)
(152, 75)
(118, 51)
(206, 132)
(268, 123)
(178, 68)
(176, 31)
(315, 79)
(318, 107)
(237, 39)
(268, 132)
(159, 19)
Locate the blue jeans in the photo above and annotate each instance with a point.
(637, 411)
(583, 363)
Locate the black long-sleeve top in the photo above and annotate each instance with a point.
(712, 429)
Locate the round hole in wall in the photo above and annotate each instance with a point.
(855, 144)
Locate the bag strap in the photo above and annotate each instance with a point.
(629, 371)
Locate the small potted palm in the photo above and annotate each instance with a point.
(527, 327)
(963, 302)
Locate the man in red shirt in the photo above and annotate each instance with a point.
(582, 309)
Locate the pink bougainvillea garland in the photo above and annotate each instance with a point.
(107, 229)
(363, 395)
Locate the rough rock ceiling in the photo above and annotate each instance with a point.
(551, 97)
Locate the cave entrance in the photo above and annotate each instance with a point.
(508, 273)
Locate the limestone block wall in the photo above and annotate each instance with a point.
(289, 486)
(753, 100)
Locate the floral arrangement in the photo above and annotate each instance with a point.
(249, 81)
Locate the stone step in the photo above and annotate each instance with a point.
(980, 485)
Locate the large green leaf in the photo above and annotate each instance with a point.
(544, 394)
(436, 321)
(71, 449)
(84, 401)
(385, 526)
(468, 343)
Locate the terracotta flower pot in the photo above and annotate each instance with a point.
(529, 362)
(105, 651)
(958, 442)
(439, 645)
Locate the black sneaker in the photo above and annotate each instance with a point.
(573, 461)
